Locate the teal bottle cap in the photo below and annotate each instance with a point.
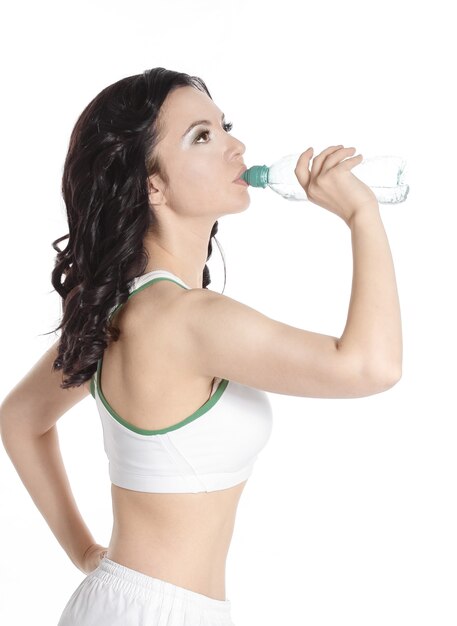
(256, 176)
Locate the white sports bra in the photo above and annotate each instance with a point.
(214, 448)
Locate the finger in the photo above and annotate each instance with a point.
(351, 162)
(302, 167)
(319, 160)
(336, 157)
(306, 155)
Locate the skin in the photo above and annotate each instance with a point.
(182, 538)
(201, 170)
(151, 378)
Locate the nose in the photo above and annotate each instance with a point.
(239, 145)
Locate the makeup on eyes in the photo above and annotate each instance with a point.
(227, 126)
(198, 122)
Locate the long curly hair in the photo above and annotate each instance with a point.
(105, 190)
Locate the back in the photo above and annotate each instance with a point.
(206, 446)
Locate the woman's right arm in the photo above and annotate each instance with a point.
(233, 341)
(230, 340)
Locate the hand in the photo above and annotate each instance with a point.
(331, 185)
(92, 557)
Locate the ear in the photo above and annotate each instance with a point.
(156, 188)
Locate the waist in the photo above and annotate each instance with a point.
(192, 561)
(181, 538)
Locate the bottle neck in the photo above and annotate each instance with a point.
(256, 176)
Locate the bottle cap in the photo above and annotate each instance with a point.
(256, 176)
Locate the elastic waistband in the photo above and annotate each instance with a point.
(124, 578)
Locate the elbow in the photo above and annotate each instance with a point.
(2, 421)
(5, 428)
(387, 377)
(10, 432)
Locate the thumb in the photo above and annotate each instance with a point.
(306, 155)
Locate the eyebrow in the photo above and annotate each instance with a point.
(201, 122)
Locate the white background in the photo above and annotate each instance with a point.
(350, 516)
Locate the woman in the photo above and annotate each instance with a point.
(179, 373)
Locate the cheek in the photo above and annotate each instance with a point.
(202, 183)
(195, 191)
(192, 172)
(201, 179)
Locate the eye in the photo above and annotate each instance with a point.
(227, 126)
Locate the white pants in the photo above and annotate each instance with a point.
(115, 595)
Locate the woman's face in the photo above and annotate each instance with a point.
(202, 162)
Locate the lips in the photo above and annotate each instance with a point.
(243, 169)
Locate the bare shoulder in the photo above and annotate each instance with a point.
(228, 339)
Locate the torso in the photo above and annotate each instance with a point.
(182, 538)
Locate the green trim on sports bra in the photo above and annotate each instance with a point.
(141, 431)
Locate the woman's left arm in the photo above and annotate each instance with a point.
(28, 417)
(41, 399)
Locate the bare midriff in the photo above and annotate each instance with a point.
(182, 538)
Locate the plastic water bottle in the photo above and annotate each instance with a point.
(383, 174)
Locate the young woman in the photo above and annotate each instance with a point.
(179, 373)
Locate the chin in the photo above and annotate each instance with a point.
(236, 207)
(239, 207)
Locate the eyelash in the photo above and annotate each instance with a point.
(227, 126)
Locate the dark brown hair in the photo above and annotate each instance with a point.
(105, 190)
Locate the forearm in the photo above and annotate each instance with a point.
(39, 463)
(373, 328)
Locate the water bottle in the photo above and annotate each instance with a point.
(383, 174)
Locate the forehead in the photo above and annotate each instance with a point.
(183, 106)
